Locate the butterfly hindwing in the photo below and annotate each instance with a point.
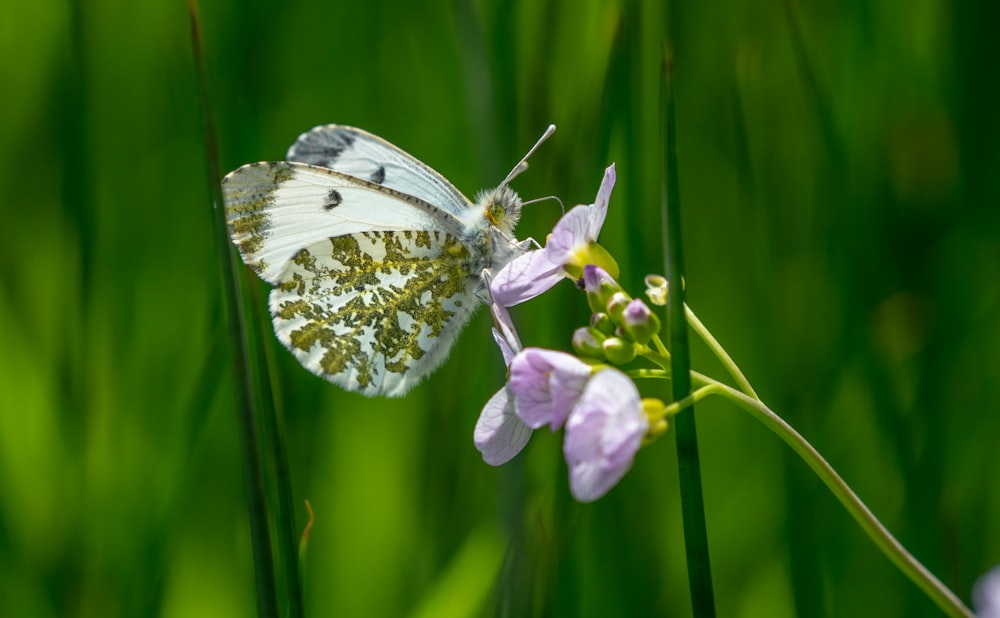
(275, 209)
(360, 154)
(375, 311)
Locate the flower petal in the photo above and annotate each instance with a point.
(504, 333)
(600, 208)
(603, 434)
(571, 231)
(986, 594)
(499, 433)
(524, 278)
(546, 384)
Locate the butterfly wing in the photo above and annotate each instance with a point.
(360, 154)
(375, 312)
(275, 209)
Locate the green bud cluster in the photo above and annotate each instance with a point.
(619, 325)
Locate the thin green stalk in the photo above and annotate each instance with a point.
(661, 349)
(910, 566)
(689, 466)
(274, 443)
(267, 604)
(720, 353)
(945, 599)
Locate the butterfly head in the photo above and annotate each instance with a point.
(501, 207)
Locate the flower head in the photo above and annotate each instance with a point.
(571, 245)
(546, 385)
(603, 433)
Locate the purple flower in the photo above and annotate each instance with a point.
(603, 434)
(500, 434)
(546, 385)
(986, 594)
(570, 246)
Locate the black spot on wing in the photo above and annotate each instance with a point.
(333, 199)
(378, 177)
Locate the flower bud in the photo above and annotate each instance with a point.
(618, 351)
(599, 286)
(587, 341)
(639, 322)
(616, 306)
(655, 411)
(602, 322)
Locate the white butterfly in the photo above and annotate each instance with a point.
(377, 260)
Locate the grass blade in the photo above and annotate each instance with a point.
(267, 604)
(689, 466)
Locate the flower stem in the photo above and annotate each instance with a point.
(720, 353)
(903, 559)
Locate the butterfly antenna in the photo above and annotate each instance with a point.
(523, 163)
(547, 197)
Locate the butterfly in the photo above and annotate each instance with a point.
(377, 261)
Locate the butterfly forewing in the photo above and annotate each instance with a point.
(375, 312)
(360, 154)
(276, 209)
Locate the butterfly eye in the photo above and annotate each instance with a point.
(495, 212)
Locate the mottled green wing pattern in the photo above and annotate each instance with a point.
(375, 312)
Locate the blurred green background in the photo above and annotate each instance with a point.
(839, 179)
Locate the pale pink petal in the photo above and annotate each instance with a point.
(600, 207)
(504, 333)
(546, 385)
(603, 434)
(571, 231)
(524, 278)
(499, 433)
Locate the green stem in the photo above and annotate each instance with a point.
(648, 374)
(274, 442)
(720, 352)
(663, 360)
(904, 560)
(661, 349)
(688, 462)
(703, 392)
(267, 604)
